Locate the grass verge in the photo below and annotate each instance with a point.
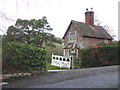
(51, 67)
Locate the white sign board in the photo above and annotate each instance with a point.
(61, 61)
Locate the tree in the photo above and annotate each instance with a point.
(106, 27)
(32, 31)
(109, 30)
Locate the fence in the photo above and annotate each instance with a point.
(61, 61)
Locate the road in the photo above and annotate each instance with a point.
(105, 77)
(108, 80)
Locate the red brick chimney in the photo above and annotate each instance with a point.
(89, 17)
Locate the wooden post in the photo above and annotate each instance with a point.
(73, 57)
(72, 61)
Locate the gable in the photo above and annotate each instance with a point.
(71, 33)
(67, 30)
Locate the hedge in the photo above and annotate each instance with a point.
(25, 56)
(100, 55)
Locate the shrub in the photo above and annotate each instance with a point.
(86, 59)
(25, 56)
(100, 55)
(58, 50)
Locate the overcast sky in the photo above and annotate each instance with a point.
(59, 13)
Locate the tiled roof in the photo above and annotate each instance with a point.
(88, 31)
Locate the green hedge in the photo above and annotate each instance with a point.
(25, 56)
(100, 55)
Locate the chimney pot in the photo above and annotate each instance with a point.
(91, 9)
(86, 9)
(89, 17)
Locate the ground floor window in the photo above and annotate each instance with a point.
(67, 52)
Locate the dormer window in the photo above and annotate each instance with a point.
(72, 36)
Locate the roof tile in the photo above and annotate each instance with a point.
(89, 31)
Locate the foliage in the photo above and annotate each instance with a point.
(86, 58)
(25, 56)
(58, 50)
(114, 43)
(34, 32)
(100, 55)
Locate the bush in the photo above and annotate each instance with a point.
(58, 50)
(100, 55)
(25, 56)
(86, 59)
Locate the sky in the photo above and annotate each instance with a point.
(59, 13)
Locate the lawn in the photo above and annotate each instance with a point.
(51, 67)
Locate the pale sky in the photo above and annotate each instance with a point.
(59, 13)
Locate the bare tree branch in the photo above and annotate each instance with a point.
(4, 16)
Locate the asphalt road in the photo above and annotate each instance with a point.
(103, 77)
(108, 80)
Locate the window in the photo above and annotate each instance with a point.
(72, 36)
(105, 41)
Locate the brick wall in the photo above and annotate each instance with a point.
(71, 28)
(87, 41)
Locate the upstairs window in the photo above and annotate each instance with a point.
(105, 41)
(72, 36)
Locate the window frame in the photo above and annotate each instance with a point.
(75, 37)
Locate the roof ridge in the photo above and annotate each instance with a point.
(77, 21)
(85, 23)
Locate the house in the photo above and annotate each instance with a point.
(79, 34)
